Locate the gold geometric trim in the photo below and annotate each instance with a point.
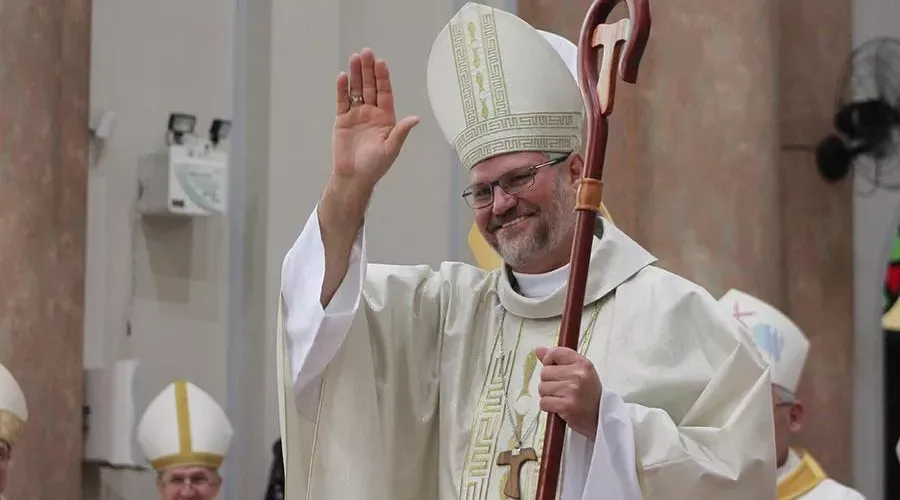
(494, 64)
(501, 145)
(11, 427)
(196, 459)
(521, 121)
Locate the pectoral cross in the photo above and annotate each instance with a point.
(515, 459)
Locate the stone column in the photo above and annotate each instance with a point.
(44, 77)
(816, 220)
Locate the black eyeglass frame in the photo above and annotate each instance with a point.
(506, 182)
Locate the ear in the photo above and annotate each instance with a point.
(575, 167)
(797, 416)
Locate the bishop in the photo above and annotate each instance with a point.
(185, 435)
(407, 382)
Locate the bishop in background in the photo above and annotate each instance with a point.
(407, 382)
(185, 434)
(784, 346)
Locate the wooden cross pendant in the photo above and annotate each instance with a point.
(515, 459)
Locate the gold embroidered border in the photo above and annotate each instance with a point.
(479, 67)
(520, 121)
(494, 64)
(463, 72)
(486, 423)
(514, 144)
(488, 418)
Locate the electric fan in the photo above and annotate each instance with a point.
(867, 118)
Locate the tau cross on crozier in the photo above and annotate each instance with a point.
(515, 459)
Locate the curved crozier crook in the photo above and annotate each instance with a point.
(628, 36)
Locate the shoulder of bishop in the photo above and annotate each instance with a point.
(653, 277)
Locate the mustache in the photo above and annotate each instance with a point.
(510, 215)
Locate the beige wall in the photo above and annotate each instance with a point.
(147, 60)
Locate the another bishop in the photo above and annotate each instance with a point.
(185, 434)
(784, 346)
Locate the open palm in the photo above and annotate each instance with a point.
(367, 136)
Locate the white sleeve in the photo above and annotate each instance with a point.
(314, 335)
(605, 466)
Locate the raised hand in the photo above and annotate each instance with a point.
(367, 136)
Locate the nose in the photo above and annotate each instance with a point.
(502, 201)
(187, 493)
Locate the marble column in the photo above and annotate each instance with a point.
(44, 77)
(697, 174)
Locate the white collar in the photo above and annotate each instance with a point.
(539, 286)
(614, 259)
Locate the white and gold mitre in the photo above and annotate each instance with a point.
(497, 86)
(13, 410)
(781, 342)
(183, 426)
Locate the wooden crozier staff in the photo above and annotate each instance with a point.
(622, 44)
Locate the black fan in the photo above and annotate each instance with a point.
(867, 118)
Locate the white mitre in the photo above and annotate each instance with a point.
(497, 86)
(13, 410)
(567, 50)
(781, 342)
(183, 426)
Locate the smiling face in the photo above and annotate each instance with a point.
(533, 228)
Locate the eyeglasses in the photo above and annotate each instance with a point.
(178, 481)
(481, 195)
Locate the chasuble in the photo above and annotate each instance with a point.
(396, 389)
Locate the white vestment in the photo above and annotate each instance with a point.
(395, 390)
(826, 489)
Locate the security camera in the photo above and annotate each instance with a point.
(219, 130)
(180, 124)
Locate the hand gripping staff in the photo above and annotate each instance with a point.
(617, 47)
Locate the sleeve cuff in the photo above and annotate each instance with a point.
(607, 467)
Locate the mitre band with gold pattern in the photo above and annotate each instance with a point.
(13, 409)
(497, 86)
(184, 426)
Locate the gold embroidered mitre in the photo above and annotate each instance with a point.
(13, 410)
(497, 86)
(183, 426)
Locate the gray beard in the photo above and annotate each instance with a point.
(553, 226)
